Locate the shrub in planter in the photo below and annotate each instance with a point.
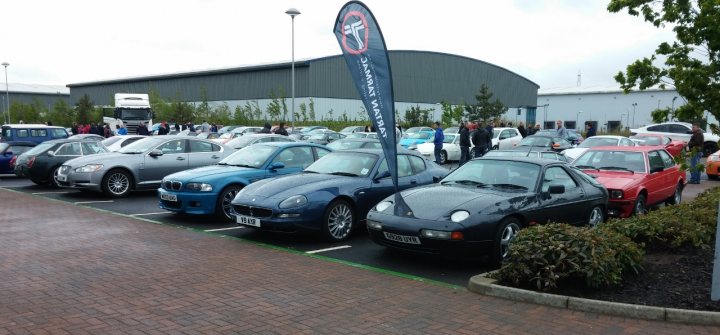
(542, 256)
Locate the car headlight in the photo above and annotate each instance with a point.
(458, 216)
(294, 201)
(383, 205)
(89, 168)
(616, 194)
(374, 225)
(202, 187)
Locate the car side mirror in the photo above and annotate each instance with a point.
(657, 169)
(156, 153)
(556, 189)
(436, 179)
(51, 153)
(276, 165)
(382, 175)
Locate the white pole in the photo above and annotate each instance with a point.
(293, 12)
(7, 93)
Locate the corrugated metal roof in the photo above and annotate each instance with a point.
(590, 90)
(35, 88)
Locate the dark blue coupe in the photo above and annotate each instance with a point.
(332, 195)
(210, 189)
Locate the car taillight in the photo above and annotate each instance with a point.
(12, 161)
(31, 161)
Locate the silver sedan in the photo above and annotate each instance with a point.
(140, 165)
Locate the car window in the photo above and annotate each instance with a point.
(59, 133)
(200, 146)
(417, 163)
(22, 133)
(320, 152)
(18, 149)
(300, 157)
(666, 140)
(659, 128)
(404, 168)
(89, 148)
(557, 176)
(655, 160)
(667, 159)
(678, 129)
(69, 149)
(173, 147)
(506, 134)
(372, 145)
(129, 140)
(38, 132)
(626, 142)
(549, 155)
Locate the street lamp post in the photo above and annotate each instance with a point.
(293, 12)
(7, 93)
(634, 105)
(577, 120)
(545, 107)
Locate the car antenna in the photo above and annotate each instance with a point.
(529, 151)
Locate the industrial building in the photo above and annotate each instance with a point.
(46, 95)
(420, 78)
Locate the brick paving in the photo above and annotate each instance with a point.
(66, 269)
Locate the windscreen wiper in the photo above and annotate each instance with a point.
(616, 168)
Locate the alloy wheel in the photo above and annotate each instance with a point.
(339, 221)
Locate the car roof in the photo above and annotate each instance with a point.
(31, 125)
(291, 144)
(379, 152)
(645, 148)
(608, 136)
(535, 160)
(359, 139)
(67, 140)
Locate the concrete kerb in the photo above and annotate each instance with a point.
(482, 284)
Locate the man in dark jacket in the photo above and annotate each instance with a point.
(490, 128)
(695, 145)
(164, 129)
(464, 143)
(142, 129)
(590, 130)
(438, 141)
(521, 129)
(266, 129)
(281, 129)
(479, 141)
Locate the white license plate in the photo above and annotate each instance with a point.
(168, 197)
(247, 220)
(402, 238)
(61, 178)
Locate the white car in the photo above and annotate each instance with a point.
(116, 142)
(679, 131)
(450, 150)
(597, 141)
(505, 138)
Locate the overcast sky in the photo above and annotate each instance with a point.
(546, 41)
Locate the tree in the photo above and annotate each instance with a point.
(203, 110)
(416, 116)
(84, 109)
(485, 109)
(451, 115)
(692, 62)
(61, 114)
(311, 110)
(221, 114)
(303, 112)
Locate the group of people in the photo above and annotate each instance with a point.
(94, 128)
(267, 129)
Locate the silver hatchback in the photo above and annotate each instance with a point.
(140, 165)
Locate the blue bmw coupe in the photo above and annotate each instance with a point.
(210, 189)
(332, 195)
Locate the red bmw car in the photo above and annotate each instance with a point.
(674, 147)
(635, 177)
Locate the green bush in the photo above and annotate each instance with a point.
(543, 256)
(691, 223)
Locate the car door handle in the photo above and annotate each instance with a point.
(180, 158)
(413, 181)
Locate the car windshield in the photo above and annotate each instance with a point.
(227, 135)
(535, 141)
(252, 156)
(648, 140)
(507, 153)
(40, 148)
(611, 160)
(357, 135)
(345, 164)
(413, 130)
(142, 145)
(349, 129)
(4, 146)
(495, 173)
(449, 138)
(598, 142)
(240, 142)
(319, 136)
(345, 145)
(109, 141)
(422, 135)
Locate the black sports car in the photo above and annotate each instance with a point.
(478, 208)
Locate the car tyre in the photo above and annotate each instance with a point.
(338, 221)
(53, 178)
(596, 216)
(709, 148)
(676, 198)
(639, 208)
(117, 183)
(443, 157)
(223, 207)
(507, 230)
(37, 182)
(713, 176)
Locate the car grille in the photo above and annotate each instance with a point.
(256, 212)
(172, 185)
(172, 204)
(65, 169)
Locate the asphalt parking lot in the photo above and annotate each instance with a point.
(359, 249)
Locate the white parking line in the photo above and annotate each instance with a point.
(156, 213)
(328, 249)
(92, 202)
(54, 192)
(221, 229)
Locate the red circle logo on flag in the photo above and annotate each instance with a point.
(355, 33)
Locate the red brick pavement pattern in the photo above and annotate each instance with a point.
(66, 269)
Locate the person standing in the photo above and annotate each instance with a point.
(590, 130)
(142, 129)
(122, 130)
(695, 146)
(107, 132)
(479, 140)
(266, 128)
(561, 131)
(163, 130)
(521, 129)
(464, 143)
(490, 129)
(438, 141)
(281, 129)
